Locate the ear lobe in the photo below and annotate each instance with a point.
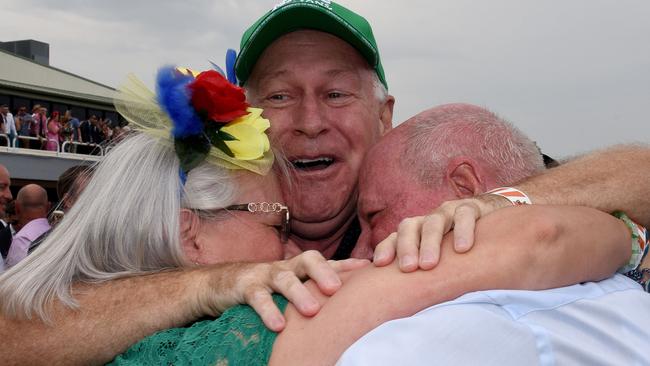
(464, 178)
(189, 226)
(386, 116)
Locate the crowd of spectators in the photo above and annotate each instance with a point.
(42, 131)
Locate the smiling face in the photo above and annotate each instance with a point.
(319, 95)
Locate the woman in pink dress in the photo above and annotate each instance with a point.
(53, 128)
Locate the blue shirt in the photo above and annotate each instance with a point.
(595, 323)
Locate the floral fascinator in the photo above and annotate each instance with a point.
(205, 116)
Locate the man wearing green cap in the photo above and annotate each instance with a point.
(315, 69)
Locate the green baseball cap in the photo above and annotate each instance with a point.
(293, 15)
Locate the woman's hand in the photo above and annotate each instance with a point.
(417, 240)
(253, 284)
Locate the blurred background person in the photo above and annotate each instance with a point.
(9, 124)
(24, 123)
(39, 126)
(5, 197)
(32, 207)
(5, 193)
(73, 125)
(7, 233)
(53, 132)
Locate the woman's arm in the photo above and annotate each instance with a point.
(532, 247)
(116, 314)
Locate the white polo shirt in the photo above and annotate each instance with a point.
(595, 323)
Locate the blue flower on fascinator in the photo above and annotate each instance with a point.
(174, 97)
(231, 57)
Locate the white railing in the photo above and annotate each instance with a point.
(39, 139)
(66, 143)
(59, 148)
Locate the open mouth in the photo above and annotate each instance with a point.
(312, 164)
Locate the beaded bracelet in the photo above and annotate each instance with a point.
(515, 196)
(639, 242)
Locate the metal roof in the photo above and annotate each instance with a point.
(21, 73)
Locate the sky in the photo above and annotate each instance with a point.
(574, 75)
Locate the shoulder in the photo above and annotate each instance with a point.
(33, 229)
(238, 337)
(604, 320)
(459, 334)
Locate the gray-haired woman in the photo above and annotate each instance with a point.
(145, 210)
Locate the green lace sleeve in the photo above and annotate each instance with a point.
(237, 337)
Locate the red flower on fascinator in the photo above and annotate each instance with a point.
(216, 99)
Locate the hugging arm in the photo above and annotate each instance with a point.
(116, 314)
(509, 253)
(608, 180)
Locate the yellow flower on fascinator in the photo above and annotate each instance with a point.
(187, 71)
(251, 141)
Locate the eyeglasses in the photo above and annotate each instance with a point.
(266, 207)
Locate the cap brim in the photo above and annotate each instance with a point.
(293, 17)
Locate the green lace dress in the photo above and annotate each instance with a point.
(237, 337)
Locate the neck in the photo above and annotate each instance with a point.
(328, 244)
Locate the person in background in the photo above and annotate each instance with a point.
(107, 130)
(9, 123)
(24, 123)
(39, 127)
(75, 130)
(7, 233)
(53, 132)
(71, 183)
(68, 188)
(32, 207)
(86, 128)
(5, 192)
(5, 197)
(65, 133)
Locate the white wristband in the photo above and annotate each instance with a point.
(515, 196)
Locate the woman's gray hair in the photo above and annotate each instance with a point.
(125, 222)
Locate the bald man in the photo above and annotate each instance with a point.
(456, 151)
(31, 208)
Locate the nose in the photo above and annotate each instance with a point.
(310, 119)
(364, 248)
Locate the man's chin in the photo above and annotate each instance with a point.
(320, 227)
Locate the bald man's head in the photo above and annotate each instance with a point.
(446, 152)
(31, 203)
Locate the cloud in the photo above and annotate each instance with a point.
(572, 74)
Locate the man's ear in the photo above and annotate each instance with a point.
(189, 228)
(464, 178)
(386, 115)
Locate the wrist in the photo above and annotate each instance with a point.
(512, 195)
(493, 202)
(639, 246)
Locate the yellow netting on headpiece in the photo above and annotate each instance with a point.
(138, 105)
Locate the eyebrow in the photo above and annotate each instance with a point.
(332, 73)
(272, 75)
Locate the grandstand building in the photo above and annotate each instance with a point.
(27, 79)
